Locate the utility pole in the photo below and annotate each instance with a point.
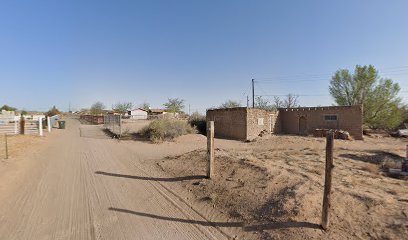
(247, 101)
(189, 112)
(253, 93)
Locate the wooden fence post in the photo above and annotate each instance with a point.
(15, 127)
(210, 149)
(327, 180)
(22, 125)
(6, 145)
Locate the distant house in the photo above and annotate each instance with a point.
(157, 112)
(138, 113)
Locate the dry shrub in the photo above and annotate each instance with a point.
(372, 168)
(166, 129)
(391, 163)
(199, 122)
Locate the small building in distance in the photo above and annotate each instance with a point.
(247, 123)
(157, 112)
(138, 113)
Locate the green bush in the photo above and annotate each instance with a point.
(166, 129)
(199, 122)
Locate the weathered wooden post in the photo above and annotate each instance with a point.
(210, 149)
(40, 126)
(327, 180)
(6, 145)
(49, 123)
(22, 125)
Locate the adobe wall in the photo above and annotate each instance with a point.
(349, 118)
(259, 120)
(229, 123)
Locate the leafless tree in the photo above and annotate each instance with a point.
(290, 101)
(277, 102)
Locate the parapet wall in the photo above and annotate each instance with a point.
(348, 118)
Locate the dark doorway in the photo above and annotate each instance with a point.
(302, 125)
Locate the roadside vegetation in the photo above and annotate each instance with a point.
(122, 107)
(199, 122)
(174, 105)
(166, 129)
(7, 108)
(97, 108)
(382, 107)
(53, 111)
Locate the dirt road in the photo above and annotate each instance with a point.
(83, 185)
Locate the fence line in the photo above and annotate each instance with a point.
(15, 127)
(10, 128)
(113, 123)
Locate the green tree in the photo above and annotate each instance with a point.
(174, 105)
(230, 104)
(8, 108)
(122, 107)
(145, 105)
(53, 111)
(382, 107)
(97, 108)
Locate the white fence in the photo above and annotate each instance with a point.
(33, 127)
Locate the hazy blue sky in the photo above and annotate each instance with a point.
(56, 52)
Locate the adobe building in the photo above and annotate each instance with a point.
(247, 123)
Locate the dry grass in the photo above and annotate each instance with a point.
(280, 181)
(166, 129)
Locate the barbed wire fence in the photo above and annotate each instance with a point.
(113, 123)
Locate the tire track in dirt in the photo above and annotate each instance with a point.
(62, 197)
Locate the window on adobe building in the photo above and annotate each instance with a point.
(330, 117)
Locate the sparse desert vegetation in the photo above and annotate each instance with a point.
(275, 186)
(166, 129)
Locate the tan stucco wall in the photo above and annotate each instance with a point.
(349, 118)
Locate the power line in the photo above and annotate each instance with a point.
(401, 70)
(244, 94)
(298, 95)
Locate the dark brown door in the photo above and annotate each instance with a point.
(302, 125)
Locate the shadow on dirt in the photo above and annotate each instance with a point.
(176, 179)
(376, 157)
(250, 228)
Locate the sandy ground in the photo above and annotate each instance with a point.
(80, 184)
(133, 126)
(274, 186)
